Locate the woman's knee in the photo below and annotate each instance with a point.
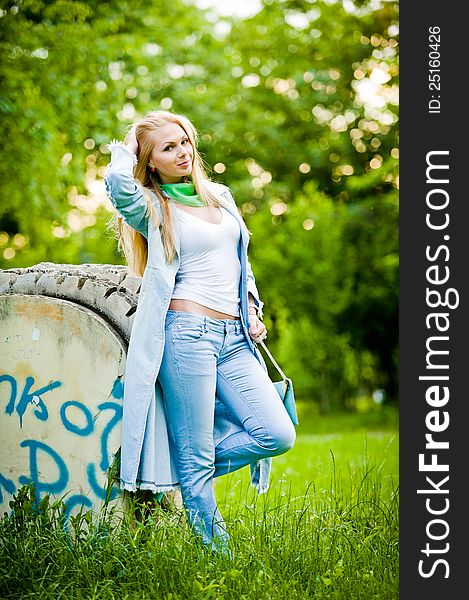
(280, 438)
(287, 438)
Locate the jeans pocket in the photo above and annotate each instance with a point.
(188, 332)
(170, 318)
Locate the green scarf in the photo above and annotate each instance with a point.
(184, 193)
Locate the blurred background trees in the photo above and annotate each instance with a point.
(297, 110)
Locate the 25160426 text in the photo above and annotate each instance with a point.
(434, 71)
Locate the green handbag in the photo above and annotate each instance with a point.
(284, 388)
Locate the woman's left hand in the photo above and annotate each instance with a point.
(257, 329)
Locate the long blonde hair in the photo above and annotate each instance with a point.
(133, 244)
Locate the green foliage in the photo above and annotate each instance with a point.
(297, 111)
(27, 511)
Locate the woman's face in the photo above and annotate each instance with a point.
(172, 153)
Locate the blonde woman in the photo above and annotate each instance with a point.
(198, 402)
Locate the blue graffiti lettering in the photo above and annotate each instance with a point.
(104, 464)
(57, 486)
(8, 486)
(13, 391)
(76, 500)
(28, 397)
(83, 431)
(81, 423)
(99, 490)
(117, 391)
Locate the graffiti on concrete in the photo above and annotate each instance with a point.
(61, 396)
(27, 397)
(77, 420)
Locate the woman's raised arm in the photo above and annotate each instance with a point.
(124, 191)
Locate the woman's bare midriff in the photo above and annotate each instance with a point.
(195, 307)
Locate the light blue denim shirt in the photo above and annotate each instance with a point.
(145, 457)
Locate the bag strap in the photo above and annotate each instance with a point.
(274, 362)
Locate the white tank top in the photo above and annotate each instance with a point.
(209, 270)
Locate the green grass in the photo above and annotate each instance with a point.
(327, 528)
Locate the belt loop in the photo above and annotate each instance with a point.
(205, 325)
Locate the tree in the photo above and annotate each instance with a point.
(297, 108)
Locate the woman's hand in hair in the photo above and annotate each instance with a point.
(131, 140)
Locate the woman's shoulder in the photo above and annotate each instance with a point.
(151, 195)
(220, 189)
(217, 187)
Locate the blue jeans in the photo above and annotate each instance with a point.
(204, 358)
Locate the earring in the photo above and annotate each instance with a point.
(152, 168)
